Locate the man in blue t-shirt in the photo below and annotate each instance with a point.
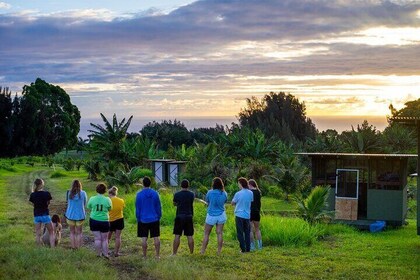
(242, 201)
(183, 200)
(148, 214)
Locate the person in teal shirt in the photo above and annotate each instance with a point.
(99, 206)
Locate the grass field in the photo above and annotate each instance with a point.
(336, 252)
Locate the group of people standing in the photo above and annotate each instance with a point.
(106, 215)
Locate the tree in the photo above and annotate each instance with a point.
(366, 139)
(46, 120)
(326, 141)
(167, 132)
(6, 121)
(280, 115)
(107, 141)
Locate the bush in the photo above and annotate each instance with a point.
(57, 174)
(7, 167)
(68, 164)
(275, 192)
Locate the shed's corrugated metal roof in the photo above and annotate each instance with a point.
(356, 155)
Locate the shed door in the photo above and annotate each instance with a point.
(346, 194)
(173, 175)
(158, 166)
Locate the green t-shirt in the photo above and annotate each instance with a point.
(99, 206)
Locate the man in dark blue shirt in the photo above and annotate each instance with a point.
(183, 200)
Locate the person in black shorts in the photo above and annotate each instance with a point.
(255, 215)
(183, 200)
(148, 214)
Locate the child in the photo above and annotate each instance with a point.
(56, 223)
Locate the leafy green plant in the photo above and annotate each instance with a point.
(312, 208)
(127, 180)
(57, 174)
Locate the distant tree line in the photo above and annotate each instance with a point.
(41, 121)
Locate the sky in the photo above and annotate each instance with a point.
(202, 59)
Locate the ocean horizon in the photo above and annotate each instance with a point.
(322, 123)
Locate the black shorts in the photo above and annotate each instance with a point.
(116, 225)
(143, 229)
(98, 225)
(185, 225)
(255, 216)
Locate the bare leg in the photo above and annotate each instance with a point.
(190, 243)
(73, 237)
(157, 246)
(38, 233)
(51, 233)
(98, 243)
(104, 243)
(252, 232)
(79, 236)
(219, 231)
(257, 230)
(175, 245)
(207, 231)
(144, 246)
(117, 242)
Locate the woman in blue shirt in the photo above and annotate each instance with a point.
(76, 213)
(216, 214)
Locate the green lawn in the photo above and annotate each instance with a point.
(342, 253)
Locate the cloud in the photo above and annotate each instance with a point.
(218, 51)
(4, 5)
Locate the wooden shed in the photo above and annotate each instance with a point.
(364, 187)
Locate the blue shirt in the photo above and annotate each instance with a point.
(76, 206)
(148, 207)
(243, 200)
(216, 200)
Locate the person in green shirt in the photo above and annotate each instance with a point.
(99, 206)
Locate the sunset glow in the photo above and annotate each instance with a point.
(186, 59)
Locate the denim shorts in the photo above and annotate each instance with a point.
(42, 219)
(216, 220)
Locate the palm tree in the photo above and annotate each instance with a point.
(126, 180)
(289, 173)
(365, 139)
(312, 208)
(107, 141)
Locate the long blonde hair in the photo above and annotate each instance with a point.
(253, 183)
(38, 185)
(113, 191)
(76, 187)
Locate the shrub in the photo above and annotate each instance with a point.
(68, 164)
(57, 174)
(312, 208)
(7, 167)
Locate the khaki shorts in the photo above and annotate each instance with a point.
(75, 223)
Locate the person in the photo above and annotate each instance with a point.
(216, 214)
(116, 219)
(76, 213)
(41, 199)
(242, 202)
(99, 206)
(148, 214)
(57, 227)
(183, 200)
(255, 215)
